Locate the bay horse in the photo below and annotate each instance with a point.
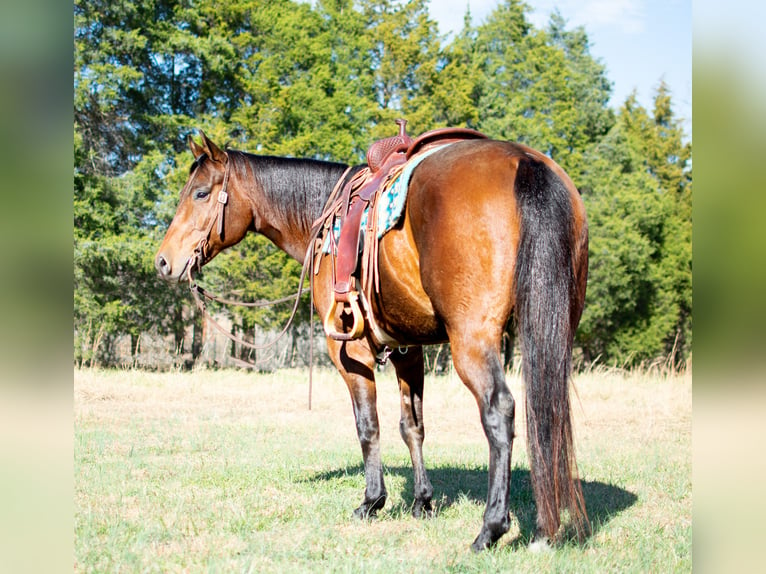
(489, 228)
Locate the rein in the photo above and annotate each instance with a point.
(200, 294)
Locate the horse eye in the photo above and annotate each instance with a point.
(201, 194)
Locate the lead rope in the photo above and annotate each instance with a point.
(196, 291)
(311, 327)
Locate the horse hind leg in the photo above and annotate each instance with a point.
(409, 371)
(477, 361)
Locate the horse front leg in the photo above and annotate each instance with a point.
(356, 362)
(409, 371)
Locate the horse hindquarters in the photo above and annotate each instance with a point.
(549, 289)
(459, 209)
(499, 226)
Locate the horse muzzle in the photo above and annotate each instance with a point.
(162, 265)
(166, 270)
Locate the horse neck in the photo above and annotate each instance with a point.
(287, 196)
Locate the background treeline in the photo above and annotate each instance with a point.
(324, 80)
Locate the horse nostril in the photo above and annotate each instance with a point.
(163, 267)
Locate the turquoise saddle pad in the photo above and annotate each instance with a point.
(391, 202)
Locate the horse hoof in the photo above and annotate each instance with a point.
(365, 513)
(483, 542)
(369, 509)
(423, 510)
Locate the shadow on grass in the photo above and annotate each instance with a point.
(451, 484)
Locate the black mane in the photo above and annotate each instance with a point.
(296, 188)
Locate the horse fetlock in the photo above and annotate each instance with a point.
(369, 508)
(424, 490)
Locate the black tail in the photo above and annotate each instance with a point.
(545, 292)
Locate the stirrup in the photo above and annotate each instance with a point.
(356, 330)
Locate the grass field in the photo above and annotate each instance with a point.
(225, 471)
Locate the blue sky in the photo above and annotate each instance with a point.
(639, 41)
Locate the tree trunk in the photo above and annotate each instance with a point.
(133, 346)
(198, 336)
(233, 353)
(178, 329)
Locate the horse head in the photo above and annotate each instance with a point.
(212, 214)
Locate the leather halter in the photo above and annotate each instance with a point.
(199, 254)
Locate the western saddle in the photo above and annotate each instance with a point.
(349, 200)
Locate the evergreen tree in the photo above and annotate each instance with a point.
(539, 87)
(404, 55)
(324, 80)
(639, 288)
(456, 83)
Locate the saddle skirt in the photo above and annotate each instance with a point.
(387, 204)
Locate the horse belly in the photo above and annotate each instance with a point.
(402, 307)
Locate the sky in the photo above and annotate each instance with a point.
(641, 42)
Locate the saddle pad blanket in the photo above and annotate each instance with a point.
(391, 201)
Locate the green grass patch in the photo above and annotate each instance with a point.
(229, 472)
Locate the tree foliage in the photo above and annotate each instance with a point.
(637, 193)
(323, 80)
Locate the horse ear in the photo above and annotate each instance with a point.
(212, 150)
(196, 149)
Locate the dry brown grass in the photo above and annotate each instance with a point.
(294, 474)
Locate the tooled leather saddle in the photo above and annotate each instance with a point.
(352, 197)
